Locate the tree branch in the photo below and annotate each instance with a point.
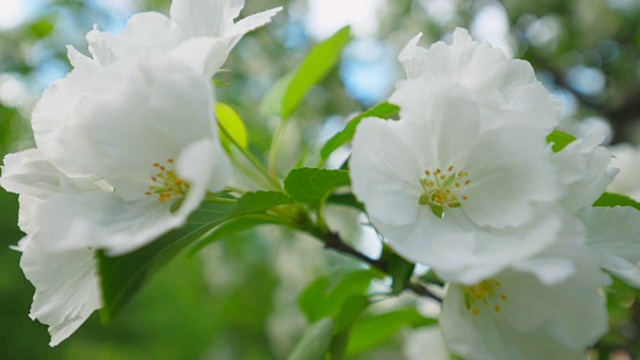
(333, 241)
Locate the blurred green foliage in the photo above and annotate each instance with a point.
(220, 306)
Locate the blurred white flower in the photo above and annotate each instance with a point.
(200, 32)
(425, 343)
(515, 315)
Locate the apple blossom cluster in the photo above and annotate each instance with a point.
(127, 147)
(466, 184)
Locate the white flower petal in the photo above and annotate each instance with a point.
(205, 17)
(615, 234)
(510, 170)
(28, 172)
(385, 171)
(67, 288)
(507, 89)
(584, 171)
(104, 220)
(201, 161)
(204, 54)
(248, 24)
(146, 34)
(626, 158)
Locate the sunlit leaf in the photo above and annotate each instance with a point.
(233, 125)
(289, 91)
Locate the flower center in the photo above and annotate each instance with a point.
(442, 189)
(165, 182)
(485, 293)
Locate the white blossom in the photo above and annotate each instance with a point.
(446, 193)
(200, 32)
(516, 315)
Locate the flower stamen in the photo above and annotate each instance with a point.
(440, 189)
(165, 183)
(484, 293)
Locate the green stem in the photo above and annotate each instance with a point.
(272, 182)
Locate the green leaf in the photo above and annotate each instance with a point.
(348, 314)
(311, 185)
(610, 200)
(560, 140)
(259, 201)
(383, 111)
(326, 295)
(43, 27)
(375, 330)
(315, 343)
(123, 276)
(233, 125)
(401, 271)
(289, 91)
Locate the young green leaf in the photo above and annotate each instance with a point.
(559, 139)
(233, 125)
(611, 199)
(400, 271)
(311, 185)
(383, 111)
(289, 91)
(375, 330)
(123, 276)
(259, 201)
(315, 343)
(348, 314)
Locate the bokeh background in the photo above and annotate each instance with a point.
(237, 299)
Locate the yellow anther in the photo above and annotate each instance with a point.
(484, 294)
(166, 184)
(441, 189)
